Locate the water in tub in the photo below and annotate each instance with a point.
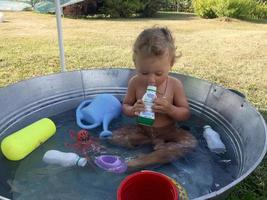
(200, 172)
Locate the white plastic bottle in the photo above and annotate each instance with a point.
(148, 116)
(213, 140)
(64, 159)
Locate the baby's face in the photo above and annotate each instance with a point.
(153, 70)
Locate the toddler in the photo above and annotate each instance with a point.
(153, 57)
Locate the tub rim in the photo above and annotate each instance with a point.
(214, 194)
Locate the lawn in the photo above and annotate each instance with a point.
(231, 53)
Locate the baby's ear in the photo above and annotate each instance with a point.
(134, 60)
(172, 61)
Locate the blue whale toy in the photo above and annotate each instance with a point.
(101, 110)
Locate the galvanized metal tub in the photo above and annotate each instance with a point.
(29, 100)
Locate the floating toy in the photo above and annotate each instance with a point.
(19, 144)
(213, 140)
(111, 163)
(64, 159)
(102, 109)
(147, 185)
(84, 143)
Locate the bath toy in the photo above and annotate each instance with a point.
(213, 140)
(84, 142)
(64, 159)
(19, 144)
(147, 185)
(111, 163)
(102, 109)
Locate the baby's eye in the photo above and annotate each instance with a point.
(144, 73)
(159, 73)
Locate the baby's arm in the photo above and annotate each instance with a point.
(177, 107)
(180, 109)
(130, 98)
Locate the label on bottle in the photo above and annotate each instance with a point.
(148, 116)
(148, 113)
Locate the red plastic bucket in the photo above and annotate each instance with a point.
(147, 185)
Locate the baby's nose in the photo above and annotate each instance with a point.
(151, 79)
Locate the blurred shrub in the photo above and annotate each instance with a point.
(149, 7)
(120, 8)
(128, 8)
(177, 5)
(242, 9)
(205, 8)
(186, 6)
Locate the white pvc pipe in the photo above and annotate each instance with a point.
(60, 36)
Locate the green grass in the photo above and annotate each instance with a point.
(231, 53)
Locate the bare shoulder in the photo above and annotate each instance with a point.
(133, 81)
(134, 78)
(179, 96)
(175, 83)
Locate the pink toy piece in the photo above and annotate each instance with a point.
(111, 163)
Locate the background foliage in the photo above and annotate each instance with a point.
(242, 9)
(129, 8)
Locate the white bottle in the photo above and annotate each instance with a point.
(213, 140)
(64, 159)
(148, 116)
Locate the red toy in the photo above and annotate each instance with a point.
(84, 143)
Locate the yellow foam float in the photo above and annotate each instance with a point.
(21, 143)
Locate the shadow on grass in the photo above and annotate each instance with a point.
(256, 21)
(175, 16)
(158, 16)
(162, 15)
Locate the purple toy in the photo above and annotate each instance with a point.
(111, 163)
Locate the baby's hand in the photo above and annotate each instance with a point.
(138, 107)
(162, 105)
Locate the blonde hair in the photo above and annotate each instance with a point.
(154, 42)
